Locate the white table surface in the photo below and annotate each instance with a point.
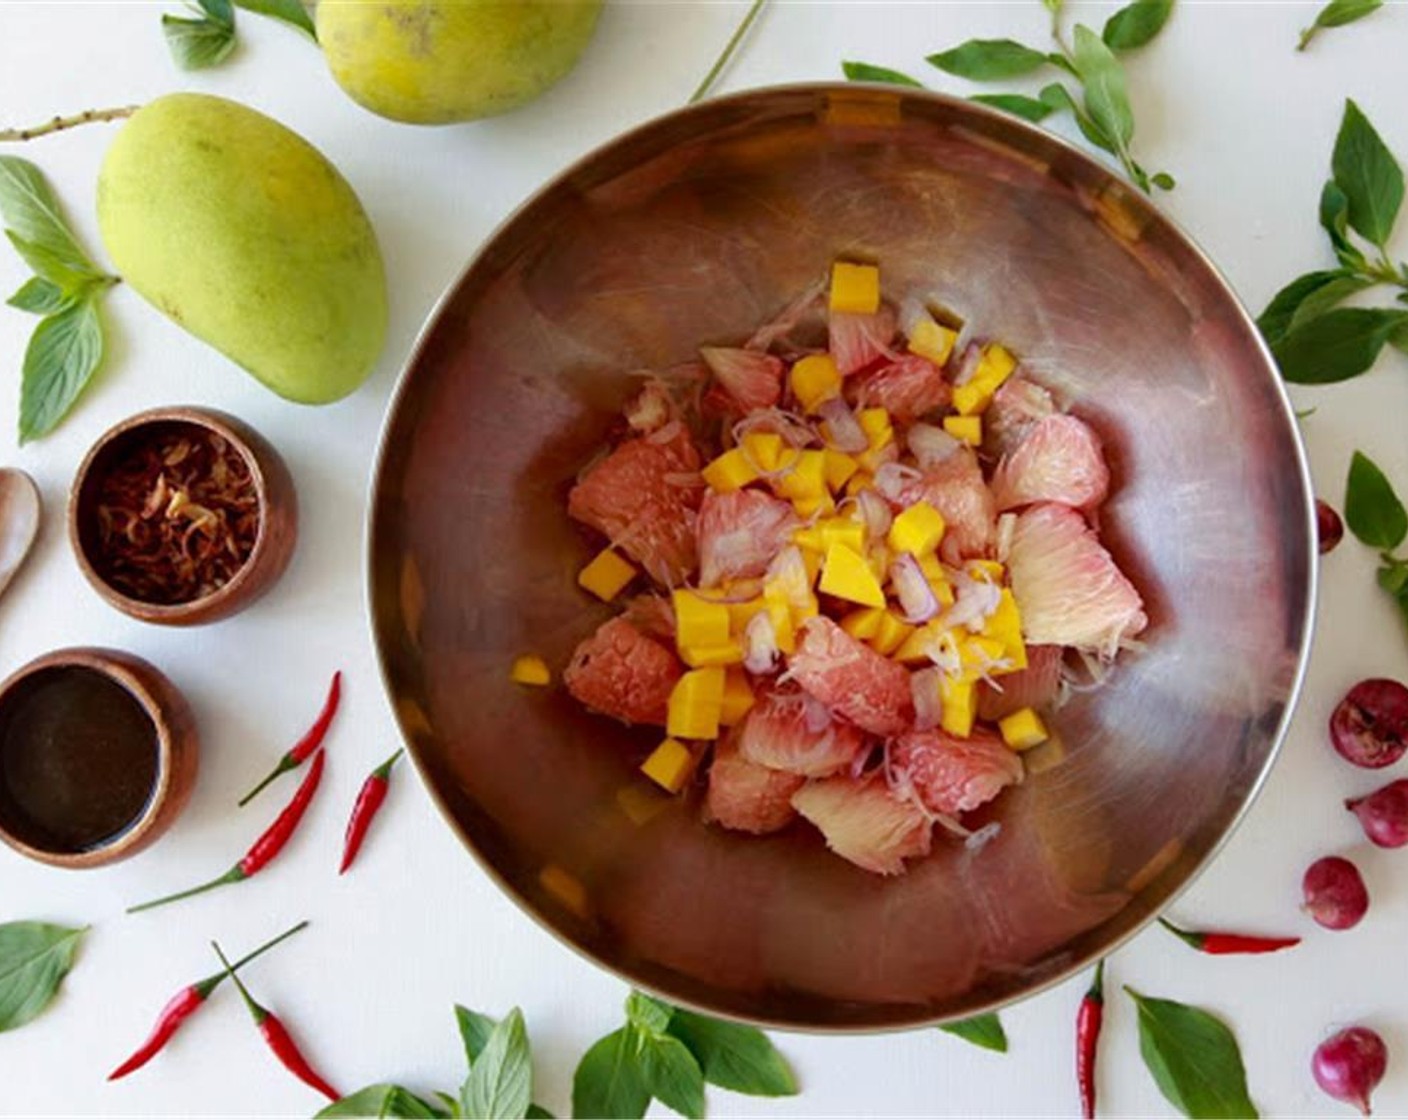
(1222, 101)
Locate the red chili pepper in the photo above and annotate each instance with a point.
(312, 739)
(1222, 944)
(278, 1038)
(183, 1005)
(1088, 1021)
(368, 803)
(263, 850)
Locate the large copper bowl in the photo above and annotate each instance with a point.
(696, 228)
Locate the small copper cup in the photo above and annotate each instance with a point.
(177, 754)
(277, 502)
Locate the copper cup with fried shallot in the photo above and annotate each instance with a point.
(182, 516)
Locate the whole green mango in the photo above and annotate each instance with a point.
(245, 235)
(437, 61)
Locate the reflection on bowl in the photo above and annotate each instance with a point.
(693, 229)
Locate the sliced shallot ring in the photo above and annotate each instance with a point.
(760, 652)
(843, 430)
(917, 598)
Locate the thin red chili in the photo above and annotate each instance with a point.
(366, 807)
(1088, 1021)
(278, 1038)
(262, 852)
(312, 739)
(1219, 944)
(183, 1005)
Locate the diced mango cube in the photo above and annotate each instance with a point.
(814, 506)
(990, 570)
(968, 429)
(847, 576)
(1004, 626)
(994, 367)
(606, 575)
(669, 765)
(932, 340)
(699, 622)
(811, 560)
(739, 614)
(878, 557)
(875, 423)
(791, 580)
(960, 705)
(738, 697)
(839, 467)
(814, 379)
(997, 364)
(696, 703)
(697, 657)
(842, 530)
(763, 449)
(730, 471)
(892, 634)
(863, 624)
(943, 590)
(806, 478)
(855, 288)
(780, 615)
(809, 537)
(1022, 730)
(918, 645)
(861, 480)
(978, 656)
(530, 669)
(917, 530)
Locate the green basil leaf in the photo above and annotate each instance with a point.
(1193, 1057)
(500, 1083)
(1337, 345)
(221, 11)
(1136, 24)
(986, 60)
(1371, 508)
(1334, 219)
(39, 297)
(1164, 181)
(475, 1030)
(34, 959)
(538, 1112)
(1321, 300)
(452, 1104)
(62, 354)
(1369, 176)
(865, 72)
(30, 211)
(1106, 97)
(1059, 97)
(608, 1084)
(198, 44)
(981, 1030)
(1275, 321)
(670, 1074)
(1337, 13)
(1028, 108)
(48, 265)
(382, 1100)
(651, 1016)
(1399, 338)
(1393, 577)
(733, 1056)
(291, 12)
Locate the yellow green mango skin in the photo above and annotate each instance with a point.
(440, 61)
(243, 233)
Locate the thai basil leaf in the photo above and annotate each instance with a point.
(1106, 96)
(1337, 345)
(62, 354)
(29, 211)
(865, 72)
(197, 43)
(39, 297)
(475, 1030)
(1275, 321)
(733, 1056)
(986, 60)
(1317, 303)
(34, 959)
(670, 1074)
(1369, 176)
(1193, 1057)
(500, 1083)
(382, 1100)
(48, 265)
(1136, 24)
(1371, 508)
(288, 11)
(981, 1030)
(1334, 219)
(1337, 13)
(649, 1015)
(1028, 108)
(1059, 97)
(608, 1083)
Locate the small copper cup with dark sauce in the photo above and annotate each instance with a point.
(182, 516)
(98, 755)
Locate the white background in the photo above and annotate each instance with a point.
(1222, 101)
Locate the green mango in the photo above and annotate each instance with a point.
(243, 233)
(438, 61)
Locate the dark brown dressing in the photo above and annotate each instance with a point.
(78, 760)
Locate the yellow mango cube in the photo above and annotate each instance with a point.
(1022, 730)
(997, 364)
(875, 423)
(891, 635)
(967, 429)
(784, 631)
(838, 468)
(932, 340)
(1004, 626)
(842, 530)
(861, 480)
(740, 614)
(730, 471)
(809, 537)
(763, 449)
(863, 624)
(530, 669)
(814, 379)
(990, 570)
(855, 288)
(943, 590)
(919, 644)
(669, 765)
(806, 478)
(811, 560)
(813, 507)
(606, 575)
(696, 702)
(847, 576)
(738, 697)
(917, 530)
(959, 700)
(699, 622)
(994, 367)
(978, 656)
(697, 657)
